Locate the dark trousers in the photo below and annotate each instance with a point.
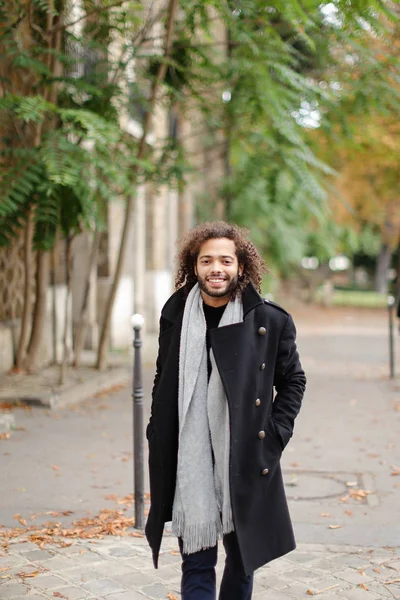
(198, 574)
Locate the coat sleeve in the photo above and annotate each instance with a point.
(289, 382)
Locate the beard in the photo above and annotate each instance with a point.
(230, 287)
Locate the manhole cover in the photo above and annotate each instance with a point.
(309, 486)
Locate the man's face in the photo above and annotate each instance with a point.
(217, 270)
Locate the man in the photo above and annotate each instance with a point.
(216, 432)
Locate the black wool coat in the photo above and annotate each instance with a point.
(254, 357)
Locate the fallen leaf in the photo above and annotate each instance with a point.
(20, 519)
(324, 514)
(24, 575)
(55, 467)
(351, 483)
(59, 595)
(316, 592)
(363, 586)
(362, 572)
(4, 436)
(395, 470)
(171, 596)
(391, 581)
(4, 569)
(376, 570)
(175, 553)
(335, 526)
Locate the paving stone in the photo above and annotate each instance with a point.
(114, 569)
(378, 588)
(58, 563)
(301, 557)
(157, 591)
(70, 592)
(136, 580)
(31, 597)
(302, 575)
(327, 564)
(12, 590)
(357, 593)
(89, 558)
(69, 550)
(394, 565)
(329, 581)
(380, 557)
(38, 555)
(23, 546)
(352, 560)
(128, 595)
(122, 551)
(297, 590)
(280, 565)
(352, 576)
(169, 572)
(13, 561)
(143, 564)
(102, 587)
(46, 582)
(273, 581)
(270, 595)
(79, 574)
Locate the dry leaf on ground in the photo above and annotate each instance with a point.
(395, 470)
(59, 595)
(363, 586)
(325, 514)
(316, 592)
(20, 519)
(24, 575)
(4, 436)
(171, 596)
(335, 526)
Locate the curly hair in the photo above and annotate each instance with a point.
(248, 257)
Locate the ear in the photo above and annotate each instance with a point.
(241, 269)
(195, 269)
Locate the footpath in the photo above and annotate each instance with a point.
(66, 484)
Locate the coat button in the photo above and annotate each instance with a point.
(264, 472)
(262, 367)
(261, 435)
(262, 331)
(258, 402)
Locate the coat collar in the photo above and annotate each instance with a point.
(176, 303)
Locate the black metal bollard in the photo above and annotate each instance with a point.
(391, 302)
(137, 322)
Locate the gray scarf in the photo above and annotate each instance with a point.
(202, 505)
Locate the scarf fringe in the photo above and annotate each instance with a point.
(200, 536)
(197, 536)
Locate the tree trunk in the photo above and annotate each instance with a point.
(82, 324)
(68, 274)
(101, 362)
(39, 314)
(28, 269)
(53, 305)
(382, 265)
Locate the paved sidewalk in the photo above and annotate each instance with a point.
(341, 470)
(120, 568)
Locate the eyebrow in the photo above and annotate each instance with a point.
(211, 256)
